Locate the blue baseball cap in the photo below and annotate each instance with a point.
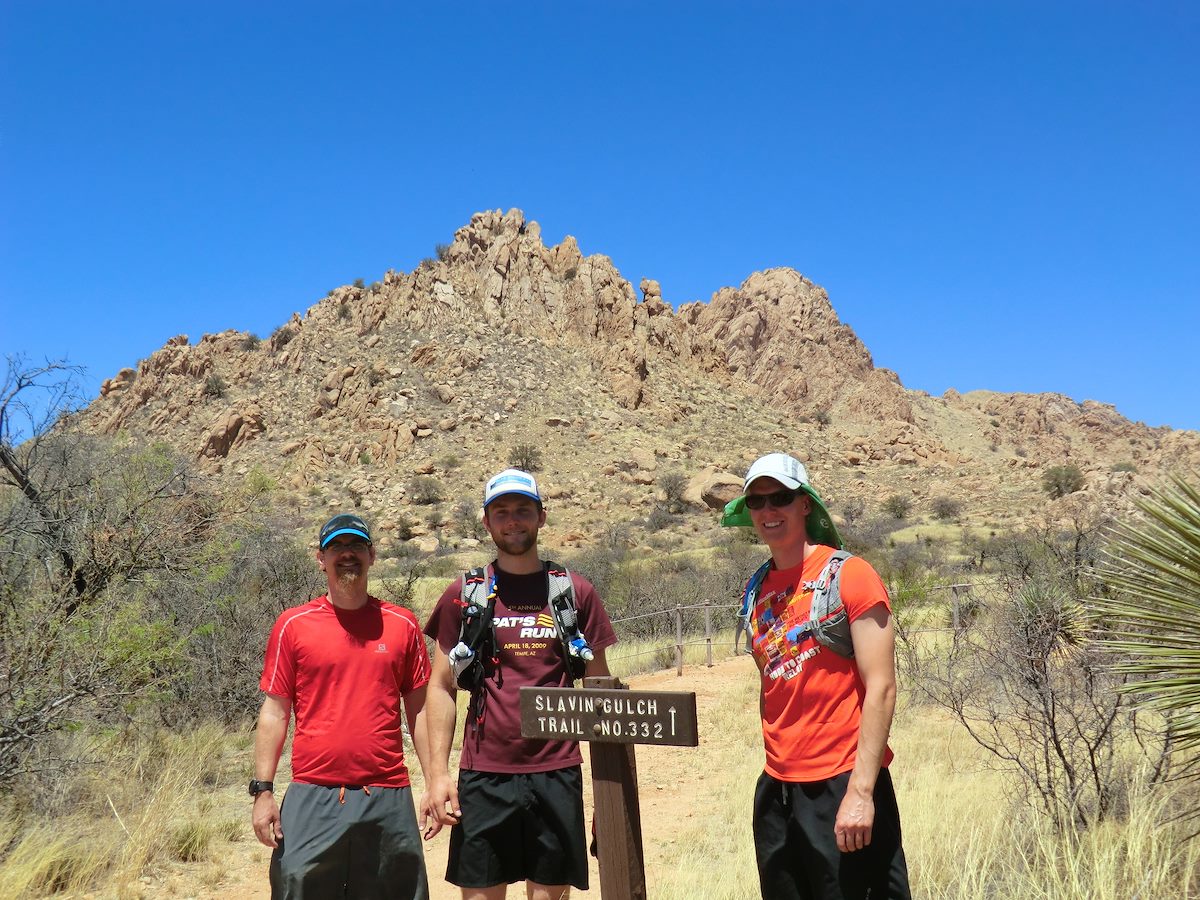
(344, 523)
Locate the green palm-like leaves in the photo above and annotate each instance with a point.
(1152, 615)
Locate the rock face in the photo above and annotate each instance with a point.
(502, 341)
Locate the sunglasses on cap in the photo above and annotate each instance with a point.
(777, 499)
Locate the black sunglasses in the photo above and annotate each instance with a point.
(778, 499)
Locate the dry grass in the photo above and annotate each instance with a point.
(151, 801)
(166, 802)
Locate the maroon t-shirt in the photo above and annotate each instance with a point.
(530, 653)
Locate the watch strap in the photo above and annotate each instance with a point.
(260, 787)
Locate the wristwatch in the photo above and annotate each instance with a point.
(258, 787)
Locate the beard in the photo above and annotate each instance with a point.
(348, 577)
(515, 544)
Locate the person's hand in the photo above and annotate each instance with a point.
(265, 819)
(855, 819)
(439, 805)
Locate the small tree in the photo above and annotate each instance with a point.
(425, 490)
(467, 520)
(526, 457)
(214, 386)
(1058, 481)
(1031, 679)
(946, 509)
(897, 506)
(673, 485)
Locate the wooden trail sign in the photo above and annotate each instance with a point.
(618, 716)
(613, 718)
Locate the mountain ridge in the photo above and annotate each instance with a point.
(502, 341)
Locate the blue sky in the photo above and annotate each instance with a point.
(995, 195)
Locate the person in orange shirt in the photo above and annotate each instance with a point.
(826, 822)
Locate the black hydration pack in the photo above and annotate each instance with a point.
(828, 620)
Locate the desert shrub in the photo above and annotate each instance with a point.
(425, 490)
(526, 457)
(359, 283)
(442, 251)
(863, 537)
(659, 519)
(1054, 714)
(897, 506)
(822, 417)
(214, 386)
(673, 485)
(343, 312)
(466, 519)
(571, 273)
(945, 509)
(364, 458)
(234, 595)
(102, 540)
(250, 342)
(282, 336)
(852, 512)
(1124, 467)
(1058, 481)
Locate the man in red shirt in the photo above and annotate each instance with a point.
(343, 663)
(826, 823)
(521, 814)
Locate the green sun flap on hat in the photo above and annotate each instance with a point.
(819, 523)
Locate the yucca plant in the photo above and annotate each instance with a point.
(1152, 612)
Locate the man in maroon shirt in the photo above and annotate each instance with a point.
(521, 813)
(343, 663)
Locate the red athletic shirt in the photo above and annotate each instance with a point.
(812, 696)
(345, 672)
(530, 654)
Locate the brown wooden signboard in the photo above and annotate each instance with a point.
(609, 716)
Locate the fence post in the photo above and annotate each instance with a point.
(679, 640)
(954, 606)
(708, 631)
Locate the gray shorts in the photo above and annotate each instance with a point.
(359, 843)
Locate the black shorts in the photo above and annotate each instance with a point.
(798, 856)
(521, 827)
(348, 842)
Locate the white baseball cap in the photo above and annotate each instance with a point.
(511, 481)
(785, 469)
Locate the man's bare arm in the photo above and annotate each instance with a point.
(875, 655)
(441, 711)
(273, 718)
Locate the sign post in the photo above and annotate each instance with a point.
(613, 719)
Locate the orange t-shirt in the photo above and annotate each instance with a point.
(811, 696)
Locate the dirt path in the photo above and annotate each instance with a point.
(670, 780)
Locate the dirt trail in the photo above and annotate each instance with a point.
(670, 779)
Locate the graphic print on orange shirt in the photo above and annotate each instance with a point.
(781, 633)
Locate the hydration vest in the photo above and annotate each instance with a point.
(828, 620)
(478, 630)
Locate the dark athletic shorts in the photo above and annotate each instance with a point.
(366, 847)
(798, 856)
(522, 827)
